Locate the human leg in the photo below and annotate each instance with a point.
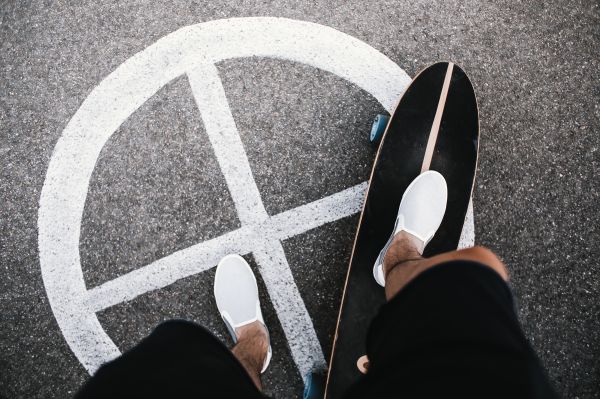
(403, 262)
(182, 359)
(178, 359)
(449, 327)
(236, 294)
(251, 349)
(451, 331)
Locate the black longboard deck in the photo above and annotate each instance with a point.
(399, 160)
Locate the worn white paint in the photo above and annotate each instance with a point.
(194, 51)
(467, 235)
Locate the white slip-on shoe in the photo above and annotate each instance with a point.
(420, 213)
(237, 299)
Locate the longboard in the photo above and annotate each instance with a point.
(434, 126)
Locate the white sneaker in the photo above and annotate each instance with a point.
(420, 213)
(237, 299)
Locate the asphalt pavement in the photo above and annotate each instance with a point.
(158, 185)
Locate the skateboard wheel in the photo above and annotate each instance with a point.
(379, 125)
(314, 387)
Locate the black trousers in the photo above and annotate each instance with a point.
(451, 332)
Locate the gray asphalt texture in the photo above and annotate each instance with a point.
(157, 187)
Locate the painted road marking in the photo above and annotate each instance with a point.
(194, 50)
(202, 256)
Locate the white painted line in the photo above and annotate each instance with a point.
(165, 271)
(291, 311)
(203, 256)
(224, 137)
(310, 216)
(467, 235)
(226, 142)
(435, 127)
(190, 50)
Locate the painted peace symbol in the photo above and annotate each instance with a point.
(194, 51)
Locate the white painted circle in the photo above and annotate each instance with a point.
(194, 50)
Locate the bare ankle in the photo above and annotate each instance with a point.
(405, 248)
(255, 336)
(251, 349)
(255, 330)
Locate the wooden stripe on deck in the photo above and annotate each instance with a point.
(435, 127)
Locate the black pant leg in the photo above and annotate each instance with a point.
(451, 332)
(179, 359)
